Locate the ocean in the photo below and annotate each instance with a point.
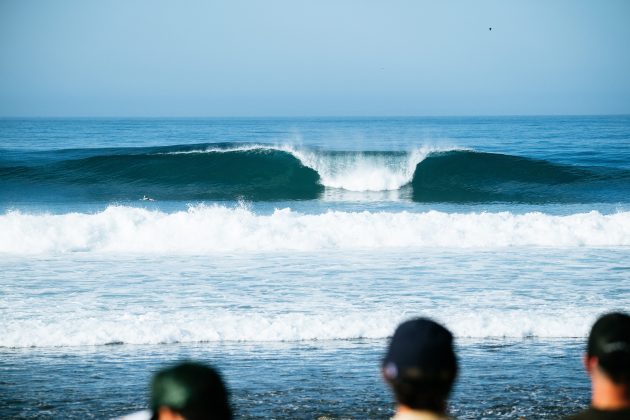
(284, 252)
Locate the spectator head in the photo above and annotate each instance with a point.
(189, 391)
(420, 365)
(609, 346)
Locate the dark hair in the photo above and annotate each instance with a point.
(193, 390)
(424, 393)
(609, 341)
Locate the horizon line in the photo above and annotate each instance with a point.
(16, 117)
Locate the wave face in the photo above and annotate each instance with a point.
(260, 173)
(254, 173)
(467, 176)
(207, 229)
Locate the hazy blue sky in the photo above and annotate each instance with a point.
(290, 57)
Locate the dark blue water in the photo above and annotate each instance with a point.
(534, 160)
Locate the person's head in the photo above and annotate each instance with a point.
(608, 348)
(189, 391)
(420, 365)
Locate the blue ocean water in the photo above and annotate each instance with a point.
(285, 251)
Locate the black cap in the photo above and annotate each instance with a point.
(610, 334)
(420, 348)
(609, 342)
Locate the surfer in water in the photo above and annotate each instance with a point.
(145, 198)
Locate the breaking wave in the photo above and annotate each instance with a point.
(259, 173)
(207, 229)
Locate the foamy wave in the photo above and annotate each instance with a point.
(203, 229)
(364, 172)
(158, 328)
(352, 171)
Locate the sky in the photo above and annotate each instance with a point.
(153, 58)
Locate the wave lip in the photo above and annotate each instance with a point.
(210, 229)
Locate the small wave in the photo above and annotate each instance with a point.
(206, 229)
(205, 326)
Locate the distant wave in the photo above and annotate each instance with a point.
(151, 327)
(207, 229)
(261, 172)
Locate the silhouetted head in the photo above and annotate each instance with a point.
(191, 391)
(420, 365)
(609, 342)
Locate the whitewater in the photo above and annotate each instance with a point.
(202, 229)
(155, 328)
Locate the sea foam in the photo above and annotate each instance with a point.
(204, 229)
(71, 329)
(364, 172)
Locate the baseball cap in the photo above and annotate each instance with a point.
(420, 348)
(609, 341)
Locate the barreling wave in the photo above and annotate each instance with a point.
(267, 173)
(155, 327)
(181, 174)
(210, 229)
